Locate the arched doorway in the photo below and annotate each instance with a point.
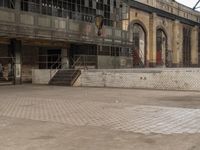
(139, 46)
(161, 48)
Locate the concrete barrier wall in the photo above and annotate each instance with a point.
(42, 76)
(169, 79)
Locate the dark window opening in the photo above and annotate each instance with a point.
(83, 10)
(186, 47)
(49, 59)
(161, 48)
(139, 46)
(7, 3)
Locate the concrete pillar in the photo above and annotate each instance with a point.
(16, 48)
(194, 47)
(65, 59)
(152, 40)
(18, 4)
(177, 44)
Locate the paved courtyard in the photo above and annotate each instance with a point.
(65, 118)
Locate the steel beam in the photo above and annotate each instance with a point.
(195, 7)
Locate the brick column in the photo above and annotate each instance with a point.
(18, 4)
(152, 40)
(194, 47)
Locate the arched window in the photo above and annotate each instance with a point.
(186, 47)
(161, 48)
(139, 46)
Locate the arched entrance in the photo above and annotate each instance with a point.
(161, 48)
(139, 46)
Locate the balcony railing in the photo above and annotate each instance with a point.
(15, 23)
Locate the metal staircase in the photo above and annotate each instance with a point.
(65, 77)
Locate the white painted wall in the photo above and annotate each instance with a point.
(42, 76)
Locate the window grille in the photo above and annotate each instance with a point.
(84, 10)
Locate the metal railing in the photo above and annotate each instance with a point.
(85, 61)
(76, 62)
(55, 67)
(81, 31)
(77, 65)
(76, 71)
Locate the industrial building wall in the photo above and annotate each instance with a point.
(178, 43)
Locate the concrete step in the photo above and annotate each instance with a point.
(60, 84)
(66, 71)
(64, 77)
(61, 80)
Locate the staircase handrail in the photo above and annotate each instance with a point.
(73, 77)
(56, 69)
(81, 63)
(76, 61)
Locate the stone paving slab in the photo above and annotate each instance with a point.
(138, 118)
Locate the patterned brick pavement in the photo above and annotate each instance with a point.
(116, 116)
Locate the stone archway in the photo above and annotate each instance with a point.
(139, 45)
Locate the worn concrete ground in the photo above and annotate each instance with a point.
(65, 118)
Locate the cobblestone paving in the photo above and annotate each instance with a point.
(138, 118)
